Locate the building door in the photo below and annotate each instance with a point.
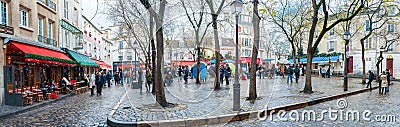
(350, 64)
(389, 64)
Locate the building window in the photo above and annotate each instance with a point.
(40, 29)
(121, 44)
(331, 46)
(24, 18)
(3, 11)
(190, 56)
(66, 9)
(367, 25)
(332, 32)
(129, 57)
(182, 55)
(120, 58)
(50, 32)
(390, 48)
(391, 27)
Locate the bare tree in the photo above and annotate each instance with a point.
(375, 17)
(196, 21)
(214, 14)
(253, 66)
(312, 45)
(159, 20)
(291, 19)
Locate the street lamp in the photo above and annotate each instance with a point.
(346, 37)
(236, 8)
(381, 50)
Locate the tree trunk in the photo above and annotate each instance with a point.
(253, 67)
(364, 75)
(217, 85)
(308, 87)
(160, 95)
(153, 55)
(294, 53)
(198, 57)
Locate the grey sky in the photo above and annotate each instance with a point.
(89, 11)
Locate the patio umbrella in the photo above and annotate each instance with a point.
(228, 61)
(203, 65)
(203, 74)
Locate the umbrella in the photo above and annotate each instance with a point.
(203, 74)
(212, 61)
(268, 59)
(202, 66)
(228, 61)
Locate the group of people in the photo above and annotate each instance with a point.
(183, 71)
(225, 72)
(384, 81)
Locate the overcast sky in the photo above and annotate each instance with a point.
(89, 11)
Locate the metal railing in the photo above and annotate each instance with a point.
(6, 29)
(47, 40)
(50, 4)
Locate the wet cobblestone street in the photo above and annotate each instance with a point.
(77, 110)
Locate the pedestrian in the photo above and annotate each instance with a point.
(370, 79)
(116, 78)
(191, 73)
(140, 79)
(221, 74)
(99, 83)
(186, 74)
(260, 71)
(121, 77)
(92, 84)
(168, 79)
(289, 72)
(104, 78)
(388, 75)
(384, 82)
(297, 73)
(303, 70)
(272, 72)
(328, 72)
(227, 74)
(149, 80)
(180, 72)
(109, 79)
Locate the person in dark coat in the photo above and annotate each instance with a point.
(99, 83)
(227, 74)
(116, 78)
(370, 79)
(109, 79)
(186, 74)
(221, 74)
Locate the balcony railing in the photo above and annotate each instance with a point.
(50, 4)
(47, 40)
(6, 29)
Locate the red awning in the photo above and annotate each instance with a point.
(248, 60)
(102, 64)
(183, 63)
(34, 50)
(126, 66)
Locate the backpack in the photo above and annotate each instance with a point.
(296, 70)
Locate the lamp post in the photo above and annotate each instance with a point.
(346, 37)
(236, 8)
(381, 50)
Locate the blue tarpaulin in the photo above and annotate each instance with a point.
(318, 59)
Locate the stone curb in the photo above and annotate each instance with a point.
(230, 117)
(35, 106)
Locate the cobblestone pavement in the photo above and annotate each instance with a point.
(7, 109)
(77, 110)
(384, 111)
(201, 100)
